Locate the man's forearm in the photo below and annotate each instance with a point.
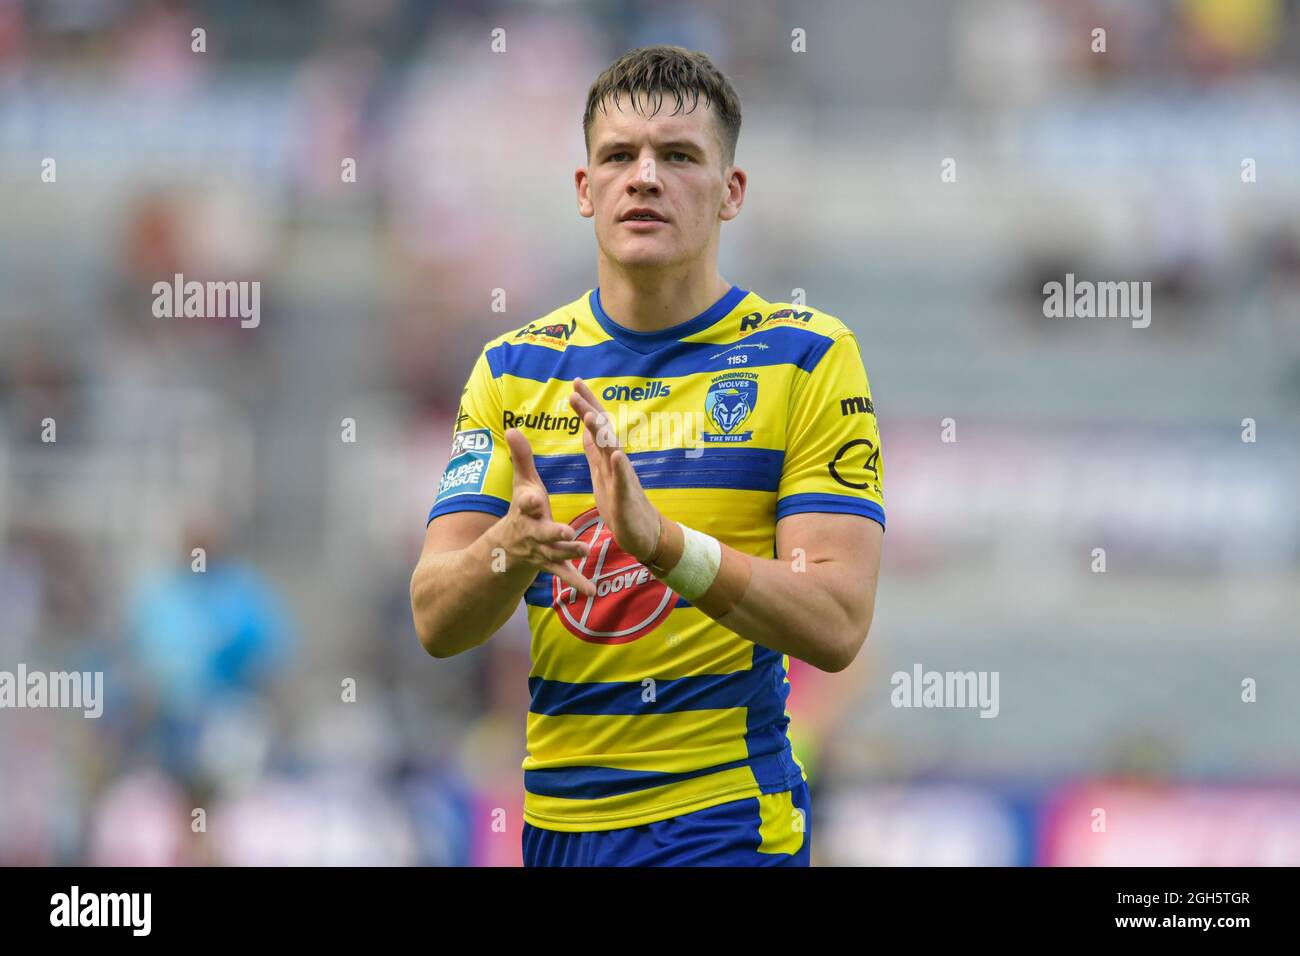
(800, 613)
(813, 609)
(459, 599)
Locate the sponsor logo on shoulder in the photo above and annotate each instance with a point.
(855, 465)
(471, 453)
(787, 316)
(857, 405)
(548, 333)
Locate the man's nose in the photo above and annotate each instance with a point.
(644, 176)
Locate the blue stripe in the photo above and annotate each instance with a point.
(785, 346)
(555, 698)
(831, 504)
(765, 726)
(761, 690)
(592, 783)
(540, 591)
(736, 469)
(489, 503)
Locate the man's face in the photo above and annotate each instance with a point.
(668, 167)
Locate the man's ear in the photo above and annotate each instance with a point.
(582, 183)
(733, 197)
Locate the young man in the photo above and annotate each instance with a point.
(682, 482)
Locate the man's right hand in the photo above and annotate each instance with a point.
(527, 533)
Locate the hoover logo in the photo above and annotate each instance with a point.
(729, 403)
(630, 602)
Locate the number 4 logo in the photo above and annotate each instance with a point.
(871, 464)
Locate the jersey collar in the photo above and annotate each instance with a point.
(646, 342)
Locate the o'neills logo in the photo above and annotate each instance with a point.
(630, 602)
(542, 421)
(628, 393)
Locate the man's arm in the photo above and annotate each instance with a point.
(814, 601)
(475, 567)
(457, 601)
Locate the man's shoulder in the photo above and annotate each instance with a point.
(763, 315)
(556, 329)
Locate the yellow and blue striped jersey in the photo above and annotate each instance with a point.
(643, 707)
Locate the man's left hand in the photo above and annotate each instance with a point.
(620, 499)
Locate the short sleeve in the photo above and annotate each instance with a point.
(832, 455)
(478, 476)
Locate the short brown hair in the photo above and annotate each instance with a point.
(652, 71)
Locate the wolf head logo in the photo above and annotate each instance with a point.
(730, 408)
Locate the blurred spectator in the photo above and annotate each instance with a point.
(200, 633)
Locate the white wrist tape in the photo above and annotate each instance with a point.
(695, 572)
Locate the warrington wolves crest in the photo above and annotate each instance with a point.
(729, 403)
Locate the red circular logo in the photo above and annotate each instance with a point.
(630, 602)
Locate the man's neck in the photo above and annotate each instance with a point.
(649, 301)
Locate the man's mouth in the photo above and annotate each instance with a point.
(642, 215)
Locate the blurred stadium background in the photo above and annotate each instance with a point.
(1119, 690)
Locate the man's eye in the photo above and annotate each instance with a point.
(616, 157)
(685, 156)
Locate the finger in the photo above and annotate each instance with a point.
(559, 545)
(584, 400)
(597, 459)
(583, 407)
(565, 551)
(552, 532)
(580, 405)
(585, 391)
(602, 433)
(566, 573)
(622, 465)
(531, 502)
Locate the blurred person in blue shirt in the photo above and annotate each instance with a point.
(202, 638)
